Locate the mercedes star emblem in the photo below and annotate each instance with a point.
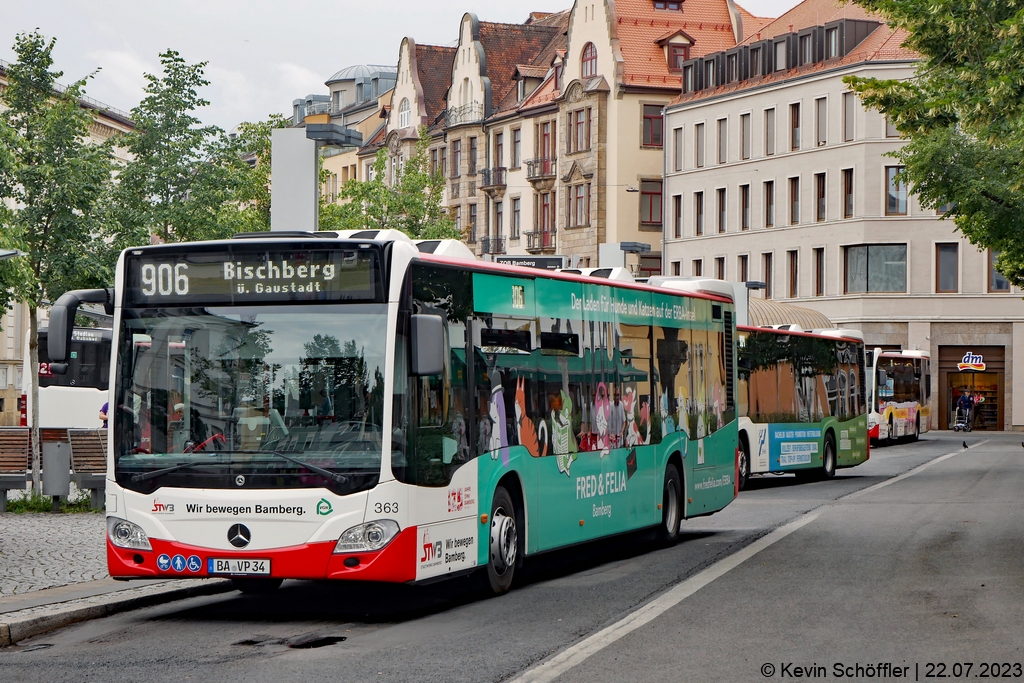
(239, 535)
(239, 480)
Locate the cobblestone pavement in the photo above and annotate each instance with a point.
(40, 551)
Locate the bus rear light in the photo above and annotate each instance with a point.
(124, 534)
(368, 537)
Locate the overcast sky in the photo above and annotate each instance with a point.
(262, 54)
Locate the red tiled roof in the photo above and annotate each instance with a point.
(434, 68)
(811, 13)
(506, 45)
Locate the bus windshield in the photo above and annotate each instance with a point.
(225, 392)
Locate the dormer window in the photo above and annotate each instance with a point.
(755, 62)
(732, 70)
(832, 43)
(688, 78)
(677, 54)
(780, 55)
(709, 73)
(671, 5)
(521, 90)
(806, 50)
(558, 76)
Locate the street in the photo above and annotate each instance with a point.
(915, 572)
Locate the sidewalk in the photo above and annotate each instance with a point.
(53, 572)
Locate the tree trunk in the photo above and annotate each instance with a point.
(33, 378)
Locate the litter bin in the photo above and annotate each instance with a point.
(56, 468)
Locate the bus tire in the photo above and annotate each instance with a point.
(890, 439)
(503, 549)
(828, 458)
(744, 463)
(917, 429)
(671, 506)
(257, 586)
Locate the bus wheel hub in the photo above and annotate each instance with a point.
(503, 541)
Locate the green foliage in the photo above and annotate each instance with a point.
(184, 179)
(37, 502)
(52, 176)
(412, 204)
(253, 188)
(964, 115)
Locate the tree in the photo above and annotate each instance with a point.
(252, 144)
(411, 204)
(184, 178)
(963, 113)
(53, 178)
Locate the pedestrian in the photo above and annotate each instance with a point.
(103, 413)
(966, 405)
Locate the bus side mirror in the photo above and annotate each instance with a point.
(62, 322)
(882, 379)
(427, 345)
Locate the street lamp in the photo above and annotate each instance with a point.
(10, 253)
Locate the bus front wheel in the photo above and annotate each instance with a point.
(257, 586)
(917, 429)
(890, 439)
(828, 459)
(504, 542)
(671, 506)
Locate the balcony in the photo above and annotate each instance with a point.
(467, 113)
(492, 245)
(492, 182)
(541, 173)
(541, 242)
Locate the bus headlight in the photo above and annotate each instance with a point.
(124, 534)
(367, 537)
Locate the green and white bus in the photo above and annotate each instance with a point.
(358, 406)
(802, 402)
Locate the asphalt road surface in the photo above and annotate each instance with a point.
(898, 573)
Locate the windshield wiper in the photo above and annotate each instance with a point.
(136, 478)
(333, 476)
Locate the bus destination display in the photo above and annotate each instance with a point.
(251, 276)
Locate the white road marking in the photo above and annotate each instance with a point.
(552, 668)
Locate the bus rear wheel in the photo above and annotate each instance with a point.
(257, 586)
(828, 459)
(890, 439)
(744, 464)
(917, 429)
(671, 506)
(503, 550)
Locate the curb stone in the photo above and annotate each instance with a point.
(17, 626)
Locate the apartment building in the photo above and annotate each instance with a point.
(774, 172)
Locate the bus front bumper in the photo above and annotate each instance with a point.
(395, 563)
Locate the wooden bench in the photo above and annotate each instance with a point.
(15, 452)
(89, 462)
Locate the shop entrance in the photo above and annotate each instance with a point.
(978, 370)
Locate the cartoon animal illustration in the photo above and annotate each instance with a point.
(528, 436)
(602, 413)
(633, 437)
(498, 445)
(668, 424)
(645, 420)
(563, 443)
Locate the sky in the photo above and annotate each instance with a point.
(261, 54)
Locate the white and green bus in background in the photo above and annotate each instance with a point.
(802, 402)
(359, 406)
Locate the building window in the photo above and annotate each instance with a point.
(578, 138)
(996, 281)
(946, 268)
(819, 271)
(456, 158)
(832, 43)
(848, 120)
(819, 197)
(744, 207)
(847, 193)
(794, 201)
(743, 267)
(896, 191)
(721, 209)
(821, 113)
(890, 128)
(652, 125)
(589, 60)
(677, 268)
(794, 127)
(677, 215)
(698, 267)
(650, 202)
(499, 216)
(766, 271)
(876, 268)
(688, 85)
(517, 147)
(499, 150)
(794, 273)
(516, 218)
(677, 54)
(472, 156)
(755, 62)
(769, 204)
(673, 5)
(579, 205)
(744, 136)
(769, 132)
(806, 50)
(698, 145)
(472, 222)
(780, 56)
(698, 213)
(732, 70)
(443, 161)
(677, 139)
(433, 162)
(520, 89)
(723, 140)
(709, 73)
(720, 267)
(404, 113)
(458, 219)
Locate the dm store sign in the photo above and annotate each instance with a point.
(973, 362)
